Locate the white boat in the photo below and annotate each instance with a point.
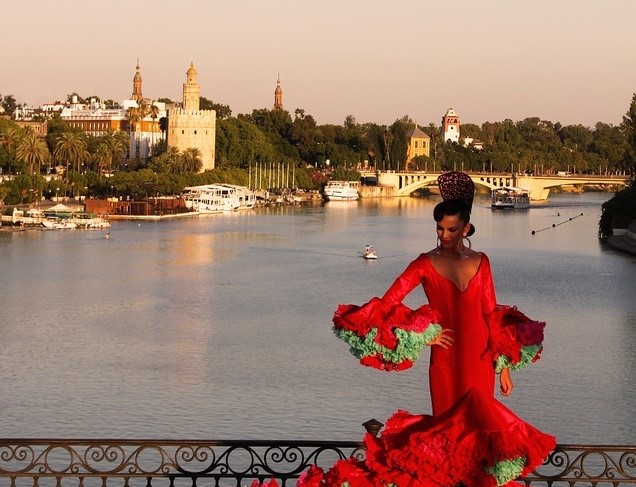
(58, 224)
(247, 199)
(369, 252)
(509, 197)
(341, 191)
(211, 198)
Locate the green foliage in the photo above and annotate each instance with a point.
(619, 211)
(343, 174)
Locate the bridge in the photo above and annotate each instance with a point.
(407, 182)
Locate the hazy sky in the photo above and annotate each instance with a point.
(568, 61)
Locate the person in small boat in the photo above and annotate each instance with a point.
(470, 439)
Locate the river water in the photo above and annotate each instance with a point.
(220, 326)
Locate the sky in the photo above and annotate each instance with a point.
(567, 61)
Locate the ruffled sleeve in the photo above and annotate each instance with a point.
(386, 335)
(515, 340)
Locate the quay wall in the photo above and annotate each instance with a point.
(377, 191)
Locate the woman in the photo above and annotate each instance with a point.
(471, 439)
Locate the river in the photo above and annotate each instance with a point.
(220, 326)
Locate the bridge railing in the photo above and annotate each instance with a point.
(217, 463)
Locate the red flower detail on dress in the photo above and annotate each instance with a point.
(311, 478)
(510, 330)
(271, 483)
(378, 362)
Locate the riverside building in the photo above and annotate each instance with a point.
(191, 127)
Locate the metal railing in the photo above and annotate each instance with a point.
(203, 463)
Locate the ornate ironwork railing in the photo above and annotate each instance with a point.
(191, 463)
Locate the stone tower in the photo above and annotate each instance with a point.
(190, 127)
(450, 126)
(136, 93)
(278, 96)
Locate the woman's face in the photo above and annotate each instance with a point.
(450, 231)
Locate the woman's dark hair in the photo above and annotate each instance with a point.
(454, 207)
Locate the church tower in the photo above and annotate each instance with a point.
(136, 94)
(189, 127)
(450, 126)
(278, 96)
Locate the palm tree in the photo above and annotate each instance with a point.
(33, 151)
(192, 160)
(153, 111)
(115, 143)
(174, 160)
(134, 115)
(10, 139)
(70, 148)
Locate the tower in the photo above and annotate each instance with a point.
(136, 93)
(191, 90)
(189, 127)
(278, 96)
(450, 126)
(419, 144)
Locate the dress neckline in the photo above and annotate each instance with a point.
(481, 261)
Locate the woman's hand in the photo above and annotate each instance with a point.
(443, 339)
(506, 382)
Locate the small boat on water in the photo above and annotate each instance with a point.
(509, 198)
(369, 252)
(341, 191)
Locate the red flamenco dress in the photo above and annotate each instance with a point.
(471, 439)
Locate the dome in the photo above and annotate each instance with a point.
(191, 73)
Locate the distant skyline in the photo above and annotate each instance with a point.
(562, 61)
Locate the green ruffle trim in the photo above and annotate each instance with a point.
(528, 354)
(409, 344)
(507, 470)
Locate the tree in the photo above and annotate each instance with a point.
(33, 151)
(112, 147)
(153, 111)
(399, 143)
(134, 116)
(629, 124)
(192, 160)
(70, 148)
(8, 103)
(10, 139)
(223, 112)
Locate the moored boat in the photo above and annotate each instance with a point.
(341, 191)
(509, 197)
(211, 198)
(247, 199)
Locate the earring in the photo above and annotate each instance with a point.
(439, 242)
(467, 240)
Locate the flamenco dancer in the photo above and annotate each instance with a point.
(471, 439)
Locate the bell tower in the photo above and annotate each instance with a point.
(450, 126)
(136, 93)
(278, 96)
(191, 90)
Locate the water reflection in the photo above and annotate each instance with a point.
(221, 327)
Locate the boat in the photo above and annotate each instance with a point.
(510, 197)
(58, 224)
(341, 191)
(369, 252)
(211, 198)
(247, 199)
